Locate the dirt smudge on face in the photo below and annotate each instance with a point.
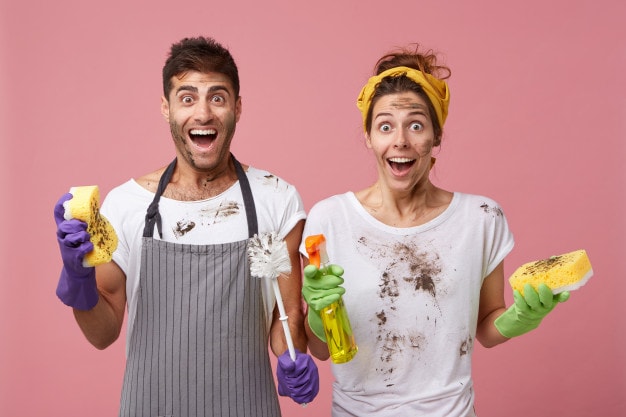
(407, 102)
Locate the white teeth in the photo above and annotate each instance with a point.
(401, 160)
(203, 132)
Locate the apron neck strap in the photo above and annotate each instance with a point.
(153, 217)
(248, 200)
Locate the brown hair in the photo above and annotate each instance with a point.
(199, 54)
(425, 62)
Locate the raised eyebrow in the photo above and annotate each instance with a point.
(382, 115)
(190, 88)
(419, 113)
(193, 89)
(418, 109)
(411, 114)
(215, 88)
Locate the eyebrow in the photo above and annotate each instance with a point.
(421, 111)
(193, 89)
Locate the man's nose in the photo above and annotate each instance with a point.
(203, 112)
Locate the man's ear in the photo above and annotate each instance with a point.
(165, 108)
(238, 109)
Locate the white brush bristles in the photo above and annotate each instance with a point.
(268, 256)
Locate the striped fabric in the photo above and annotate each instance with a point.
(199, 344)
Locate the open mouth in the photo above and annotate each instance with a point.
(400, 166)
(203, 137)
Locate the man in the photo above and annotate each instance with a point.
(198, 322)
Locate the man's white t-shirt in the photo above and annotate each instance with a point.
(220, 219)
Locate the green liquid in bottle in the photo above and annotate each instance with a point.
(339, 336)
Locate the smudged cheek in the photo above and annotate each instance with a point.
(424, 148)
(421, 144)
(229, 124)
(177, 133)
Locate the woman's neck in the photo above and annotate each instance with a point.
(404, 208)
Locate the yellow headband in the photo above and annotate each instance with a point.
(436, 90)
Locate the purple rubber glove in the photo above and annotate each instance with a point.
(297, 379)
(77, 284)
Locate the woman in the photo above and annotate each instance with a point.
(423, 266)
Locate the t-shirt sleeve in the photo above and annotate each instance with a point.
(293, 212)
(315, 222)
(123, 210)
(502, 241)
(278, 204)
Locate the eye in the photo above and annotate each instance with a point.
(218, 99)
(385, 127)
(186, 99)
(416, 127)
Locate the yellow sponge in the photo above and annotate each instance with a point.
(565, 272)
(85, 206)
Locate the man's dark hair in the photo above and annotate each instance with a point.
(200, 54)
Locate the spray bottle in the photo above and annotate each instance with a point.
(339, 336)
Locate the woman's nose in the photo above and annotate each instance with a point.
(401, 141)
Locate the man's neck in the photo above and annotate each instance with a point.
(188, 184)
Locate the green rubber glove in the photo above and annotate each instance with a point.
(528, 310)
(321, 288)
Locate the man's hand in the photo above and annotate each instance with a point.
(299, 379)
(77, 284)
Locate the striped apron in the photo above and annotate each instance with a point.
(199, 342)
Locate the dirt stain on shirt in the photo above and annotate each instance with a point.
(466, 346)
(408, 263)
(275, 182)
(182, 227)
(224, 210)
(406, 267)
(495, 210)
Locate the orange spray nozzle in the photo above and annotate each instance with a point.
(316, 248)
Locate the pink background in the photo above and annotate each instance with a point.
(537, 122)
